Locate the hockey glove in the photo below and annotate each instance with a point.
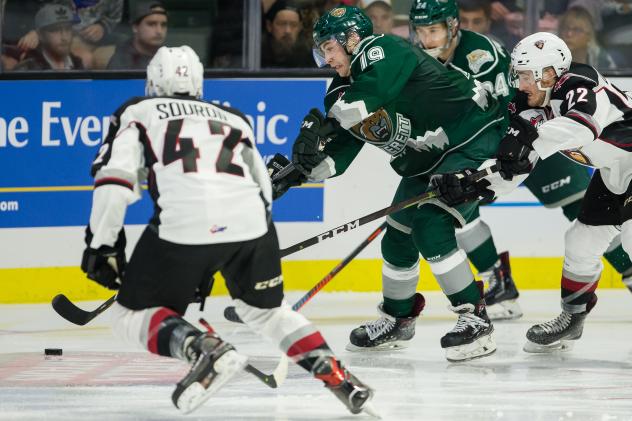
(458, 187)
(106, 264)
(513, 151)
(282, 183)
(316, 131)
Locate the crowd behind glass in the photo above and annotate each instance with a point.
(124, 34)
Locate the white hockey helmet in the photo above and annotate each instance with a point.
(174, 70)
(537, 52)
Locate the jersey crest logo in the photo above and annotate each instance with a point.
(578, 156)
(477, 58)
(337, 12)
(512, 107)
(376, 128)
(537, 120)
(539, 44)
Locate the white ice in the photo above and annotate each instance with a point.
(99, 377)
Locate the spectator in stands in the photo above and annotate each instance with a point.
(54, 29)
(577, 30)
(97, 20)
(381, 14)
(149, 25)
(283, 45)
(475, 15)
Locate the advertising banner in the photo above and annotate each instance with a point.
(50, 132)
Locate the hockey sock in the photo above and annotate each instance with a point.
(169, 334)
(476, 240)
(399, 308)
(485, 256)
(572, 210)
(619, 259)
(471, 294)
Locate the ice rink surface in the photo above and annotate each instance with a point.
(99, 377)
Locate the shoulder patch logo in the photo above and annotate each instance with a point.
(376, 128)
(577, 156)
(477, 58)
(539, 44)
(337, 12)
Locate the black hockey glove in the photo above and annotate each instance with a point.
(513, 151)
(316, 131)
(282, 181)
(106, 264)
(459, 187)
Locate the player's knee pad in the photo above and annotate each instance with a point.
(398, 247)
(399, 283)
(291, 331)
(584, 246)
(472, 235)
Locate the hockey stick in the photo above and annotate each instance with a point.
(376, 215)
(231, 315)
(69, 311)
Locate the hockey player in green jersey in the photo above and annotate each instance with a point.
(399, 99)
(556, 181)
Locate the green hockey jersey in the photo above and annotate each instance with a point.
(485, 60)
(408, 104)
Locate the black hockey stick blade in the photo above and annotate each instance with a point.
(66, 309)
(275, 379)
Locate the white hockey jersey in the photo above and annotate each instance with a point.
(590, 121)
(207, 180)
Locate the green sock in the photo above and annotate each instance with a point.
(619, 259)
(484, 256)
(470, 294)
(399, 308)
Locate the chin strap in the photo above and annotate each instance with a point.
(547, 93)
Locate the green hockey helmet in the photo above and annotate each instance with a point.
(338, 24)
(429, 12)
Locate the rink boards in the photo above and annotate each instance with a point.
(51, 130)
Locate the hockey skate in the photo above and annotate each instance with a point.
(501, 296)
(214, 363)
(348, 389)
(558, 334)
(387, 332)
(472, 335)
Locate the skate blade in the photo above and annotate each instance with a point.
(227, 366)
(481, 347)
(369, 408)
(505, 310)
(559, 346)
(390, 346)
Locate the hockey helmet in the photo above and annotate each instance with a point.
(537, 52)
(338, 24)
(174, 71)
(429, 12)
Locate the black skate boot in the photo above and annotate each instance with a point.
(472, 335)
(557, 334)
(387, 332)
(348, 389)
(501, 295)
(214, 363)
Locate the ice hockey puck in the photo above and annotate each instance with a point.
(52, 351)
